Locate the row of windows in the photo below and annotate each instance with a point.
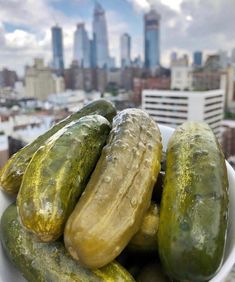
(176, 123)
(213, 122)
(166, 110)
(214, 103)
(212, 97)
(212, 110)
(210, 117)
(170, 97)
(168, 116)
(166, 103)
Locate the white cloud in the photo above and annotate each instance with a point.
(173, 4)
(145, 5)
(140, 5)
(35, 15)
(34, 37)
(20, 39)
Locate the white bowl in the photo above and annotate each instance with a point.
(8, 273)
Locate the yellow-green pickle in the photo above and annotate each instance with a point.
(58, 173)
(112, 207)
(145, 240)
(12, 173)
(194, 206)
(49, 262)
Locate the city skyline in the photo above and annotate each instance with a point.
(26, 35)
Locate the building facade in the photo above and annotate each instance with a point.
(173, 58)
(125, 50)
(82, 46)
(233, 56)
(139, 84)
(100, 37)
(197, 59)
(172, 108)
(39, 81)
(181, 78)
(152, 40)
(8, 78)
(57, 49)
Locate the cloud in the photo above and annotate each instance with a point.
(35, 15)
(140, 5)
(33, 37)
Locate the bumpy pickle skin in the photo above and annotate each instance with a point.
(12, 173)
(111, 209)
(145, 240)
(57, 175)
(43, 262)
(194, 207)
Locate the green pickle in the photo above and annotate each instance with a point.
(118, 194)
(57, 175)
(12, 173)
(194, 207)
(44, 262)
(145, 240)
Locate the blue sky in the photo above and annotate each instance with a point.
(186, 26)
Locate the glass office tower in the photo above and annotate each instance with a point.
(100, 37)
(152, 39)
(125, 48)
(57, 49)
(197, 59)
(82, 46)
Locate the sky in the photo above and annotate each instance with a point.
(186, 26)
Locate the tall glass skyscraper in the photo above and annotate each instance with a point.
(100, 37)
(125, 48)
(82, 46)
(197, 59)
(57, 48)
(152, 39)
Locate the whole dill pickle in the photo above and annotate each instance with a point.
(44, 262)
(57, 175)
(145, 240)
(13, 171)
(194, 206)
(111, 209)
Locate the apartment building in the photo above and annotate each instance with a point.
(172, 108)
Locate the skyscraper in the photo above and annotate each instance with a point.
(152, 39)
(57, 48)
(173, 57)
(82, 46)
(197, 59)
(125, 48)
(100, 37)
(233, 56)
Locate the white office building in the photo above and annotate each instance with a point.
(172, 108)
